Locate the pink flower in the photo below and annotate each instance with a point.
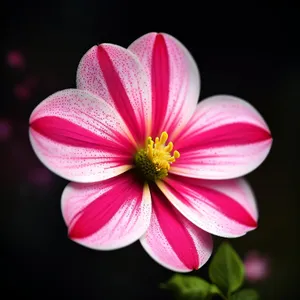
(112, 137)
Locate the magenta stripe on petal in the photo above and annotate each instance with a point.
(68, 133)
(117, 91)
(98, 213)
(93, 217)
(211, 197)
(175, 232)
(227, 135)
(174, 79)
(225, 138)
(109, 214)
(160, 80)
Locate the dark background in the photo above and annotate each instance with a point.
(247, 50)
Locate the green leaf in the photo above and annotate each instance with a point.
(226, 269)
(214, 290)
(188, 287)
(246, 294)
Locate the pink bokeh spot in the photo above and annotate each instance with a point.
(257, 266)
(5, 130)
(40, 177)
(22, 92)
(15, 59)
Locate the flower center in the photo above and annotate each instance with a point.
(154, 161)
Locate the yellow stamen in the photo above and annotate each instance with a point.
(154, 161)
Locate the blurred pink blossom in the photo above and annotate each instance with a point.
(40, 176)
(22, 92)
(22, 168)
(5, 130)
(257, 266)
(15, 59)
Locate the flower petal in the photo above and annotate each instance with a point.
(172, 240)
(115, 74)
(226, 138)
(174, 78)
(107, 215)
(80, 137)
(225, 208)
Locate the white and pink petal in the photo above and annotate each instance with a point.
(115, 74)
(80, 137)
(225, 208)
(174, 78)
(226, 138)
(107, 215)
(172, 240)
